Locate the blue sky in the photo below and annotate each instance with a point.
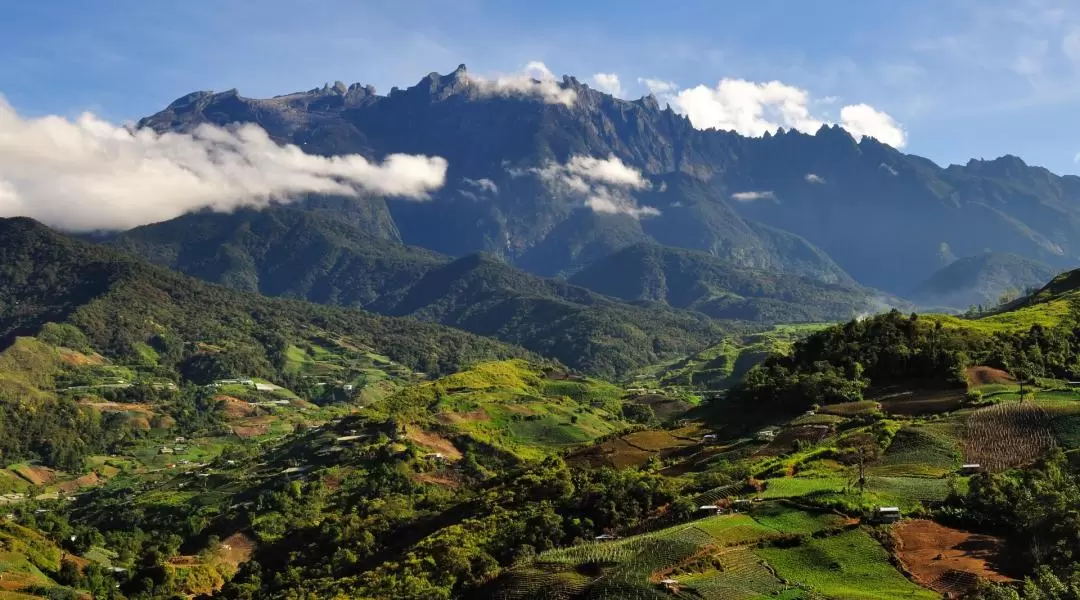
(964, 78)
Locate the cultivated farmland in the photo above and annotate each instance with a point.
(1004, 436)
(848, 566)
(947, 560)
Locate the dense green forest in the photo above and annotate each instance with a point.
(327, 259)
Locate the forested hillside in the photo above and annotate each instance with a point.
(299, 254)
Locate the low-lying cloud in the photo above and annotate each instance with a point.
(608, 82)
(534, 81)
(754, 109)
(753, 196)
(604, 184)
(89, 174)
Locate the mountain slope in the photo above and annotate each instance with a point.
(981, 280)
(280, 251)
(699, 281)
(790, 202)
(121, 305)
(293, 253)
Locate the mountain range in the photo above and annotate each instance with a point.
(824, 205)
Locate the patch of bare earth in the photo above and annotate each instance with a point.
(235, 408)
(36, 475)
(472, 416)
(1004, 436)
(78, 359)
(980, 376)
(437, 479)
(119, 407)
(923, 402)
(946, 560)
(250, 431)
(433, 441)
(616, 453)
(236, 549)
(88, 480)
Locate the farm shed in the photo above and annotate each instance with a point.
(887, 514)
(970, 469)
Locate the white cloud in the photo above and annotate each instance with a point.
(863, 120)
(608, 82)
(1076, 159)
(663, 90)
(749, 108)
(604, 184)
(813, 178)
(753, 196)
(535, 80)
(89, 174)
(754, 109)
(483, 185)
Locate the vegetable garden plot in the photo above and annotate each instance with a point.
(1004, 436)
(909, 490)
(850, 565)
(741, 576)
(921, 451)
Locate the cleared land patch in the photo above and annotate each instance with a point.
(981, 376)
(1004, 436)
(786, 440)
(850, 565)
(923, 402)
(947, 560)
(433, 441)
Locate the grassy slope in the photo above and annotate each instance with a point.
(511, 406)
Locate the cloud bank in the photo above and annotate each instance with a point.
(604, 184)
(88, 174)
(534, 81)
(608, 82)
(753, 196)
(754, 109)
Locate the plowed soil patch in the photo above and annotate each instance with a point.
(1004, 436)
(36, 475)
(980, 376)
(948, 560)
(433, 441)
(88, 480)
(923, 402)
(235, 408)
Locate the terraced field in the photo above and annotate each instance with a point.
(1008, 435)
(713, 557)
(928, 450)
(847, 566)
